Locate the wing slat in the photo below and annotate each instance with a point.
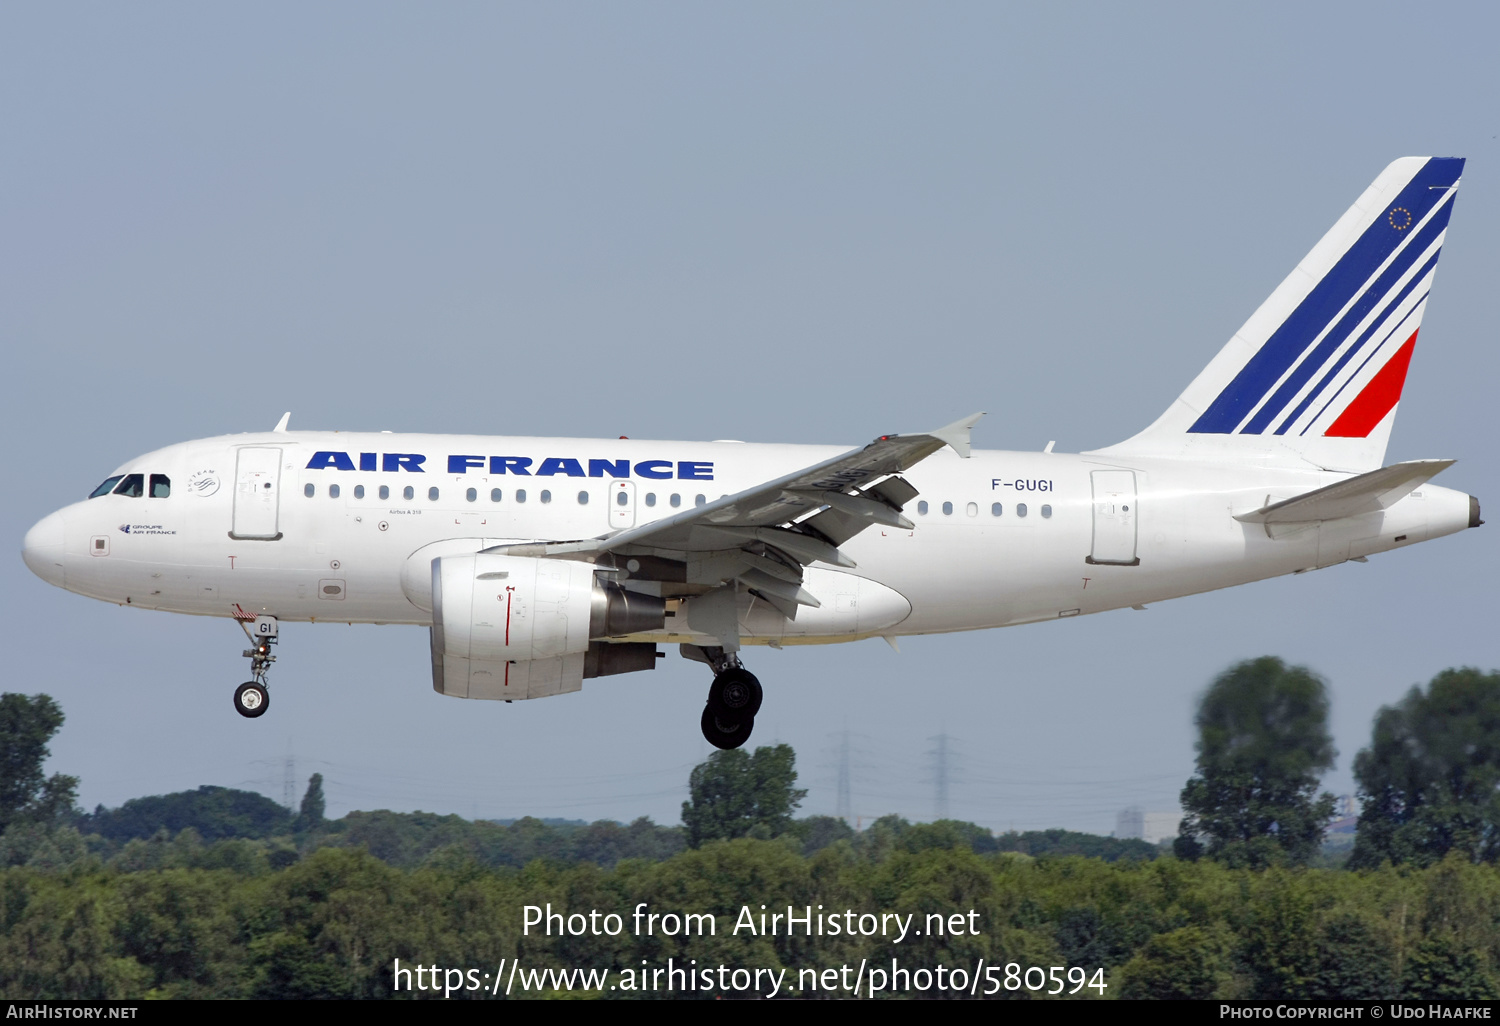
(803, 516)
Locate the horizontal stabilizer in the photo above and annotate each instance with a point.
(1366, 493)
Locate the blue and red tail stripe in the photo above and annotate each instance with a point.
(1349, 281)
(1375, 295)
(1377, 398)
(1375, 326)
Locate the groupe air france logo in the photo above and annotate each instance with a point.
(145, 529)
(1399, 218)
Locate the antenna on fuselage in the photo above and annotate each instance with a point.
(280, 427)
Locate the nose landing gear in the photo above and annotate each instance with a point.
(734, 697)
(253, 698)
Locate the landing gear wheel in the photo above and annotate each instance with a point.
(722, 732)
(251, 699)
(735, 694)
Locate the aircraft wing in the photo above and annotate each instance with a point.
(764, 535)
(840, 484)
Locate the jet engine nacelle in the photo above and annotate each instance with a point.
(515, 627)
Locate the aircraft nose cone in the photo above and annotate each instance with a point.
(43, 549)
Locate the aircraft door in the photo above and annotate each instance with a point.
(622, 504)
(1115, 515)
(257, 489)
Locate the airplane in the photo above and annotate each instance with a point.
(539, 563)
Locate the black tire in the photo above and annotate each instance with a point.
(735, 693)
(251, 699)
(724, 733)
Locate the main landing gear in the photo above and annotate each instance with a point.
(253, 698)
(733, 698)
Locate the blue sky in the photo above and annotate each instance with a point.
(776, 222)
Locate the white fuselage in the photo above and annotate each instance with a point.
(356, 557)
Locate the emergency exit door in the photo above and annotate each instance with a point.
(257, 499)
(622, 504)
(1115, 517)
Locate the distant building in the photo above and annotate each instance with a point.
(1347, 817)
(1151, 827)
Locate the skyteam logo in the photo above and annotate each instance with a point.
(1336, 362)
(204, 483)
(520, 466)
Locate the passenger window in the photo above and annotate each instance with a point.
(922, 508)
(359, 491)
(472, 494)
(996, 509)
(385, 492)
(1020, 509)
(546, 495)
(520, 495)
(650, 498)
(972, 509)
(161, 486)
(432, 494)
(676, 500)
(107, 487)
(1046, 511)
(494, 495)
(333, 491)
(583, 498)
(699, 500)
(947, 509)
(408, 492)
(309, 489)
(133, 486)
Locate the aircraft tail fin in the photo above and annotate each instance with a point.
(1314, 376)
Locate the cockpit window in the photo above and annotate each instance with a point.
(107, 487)
(161, 486)
(133, 486)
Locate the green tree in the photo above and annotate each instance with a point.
(1263, 743)
(1428, 782)
(1069, 842)
(819, 832)
(1354, 961)
(26, 796)
(1443, 970)
(215, 812)
(734, 794)
(1186, 964)
(310, 817)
